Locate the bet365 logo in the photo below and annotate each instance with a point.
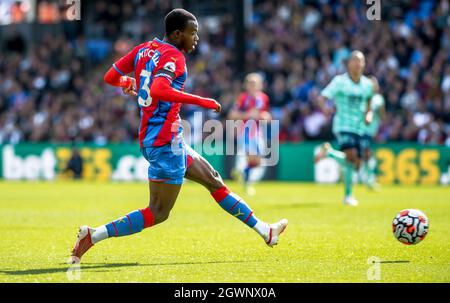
(73, 10)
(374, 10)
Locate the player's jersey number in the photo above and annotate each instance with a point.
(144, 98)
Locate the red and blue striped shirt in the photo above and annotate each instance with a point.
(160, 120)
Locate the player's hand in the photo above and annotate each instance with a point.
(131, 89)
(254, 114)
(211, 104)
(368, 118)
(218, 107)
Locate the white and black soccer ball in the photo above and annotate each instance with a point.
(410, 226)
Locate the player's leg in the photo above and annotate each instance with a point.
(162, 199)
(327, 151)
(351, 155)
(347, 158)
(350, 146)
(365, 159)
(237, 173)
(166, 173)
(203, 173)
(364, 171)
(255, 145)
(253, 161)
(247, 145)
(369, 164)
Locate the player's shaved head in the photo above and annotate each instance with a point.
(177, 19)
(356, 64)
(254, 83)
(254, 77)
(356, 54)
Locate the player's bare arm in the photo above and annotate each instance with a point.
(322, 102)
(368, 117)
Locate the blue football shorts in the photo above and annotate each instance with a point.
(168, 163)
(251, 145)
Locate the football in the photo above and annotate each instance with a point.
(410, 226)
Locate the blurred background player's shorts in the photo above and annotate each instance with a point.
(251, 143)
(366, 142)
(348, 140)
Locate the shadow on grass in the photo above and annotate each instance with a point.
(94, 266)
(393, 261)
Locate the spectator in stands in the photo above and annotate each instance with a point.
(54, 93)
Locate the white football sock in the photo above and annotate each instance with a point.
(100, 233)
(262, 228)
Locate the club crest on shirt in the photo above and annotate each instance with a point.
(169, 66)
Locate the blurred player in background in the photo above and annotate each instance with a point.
(161, 73)
(251, 107)
(75, 164)
(369, 163)
(351, 93)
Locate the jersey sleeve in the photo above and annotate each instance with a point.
(266, 102)
(171, 65)
(377, 102)
(331, 90)
(125, 65)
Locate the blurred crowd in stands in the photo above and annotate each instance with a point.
(54, 91)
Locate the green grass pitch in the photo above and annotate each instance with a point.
(324, 242)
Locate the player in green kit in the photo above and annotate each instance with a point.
(351, 93)
(370, 131)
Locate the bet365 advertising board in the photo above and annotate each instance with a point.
(405, 164)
